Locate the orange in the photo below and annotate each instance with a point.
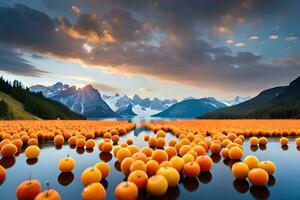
(263, 141)
(251, 161)
(91, 175)
(159, 156)
(152, 167)
(28, 190)
(171, 175)
(284, 141)
(240, 170)
(160, 142)
(66, 164)
(125, 165)
(2, 174)
(258, 177)
(80, 142)
(140, 156)
(235, 153)
(49, 194)
(32, 151)
(205, 163)
(94, 191)
(267, 165)
(157, 185)
(123, 153)
(9, 150)
(147, 151)
(104, 169)
(138, 165)
(215, 148)
(59, 140)
(138, 177)
(253, 141)
(107, 147)
(90, 144)
(177, 163)
(191, 169)
(224, 153)
(126, 191)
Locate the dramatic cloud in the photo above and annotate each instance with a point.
(12, 61)
(162, 39)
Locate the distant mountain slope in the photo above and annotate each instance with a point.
(16, 109)
(86, 101)
(278, 102)
(235, 101)
(126, 111)
(34, 104)
(191, 108)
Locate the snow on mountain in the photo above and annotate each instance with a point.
(86, 101)
(142, 107)
(235, 101)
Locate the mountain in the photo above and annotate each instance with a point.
(139, 106)
(191, 108)
(21, 103)
(126, 111)
(86, 101)
(235, 101)
(278, 102)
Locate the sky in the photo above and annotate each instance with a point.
(153, 48)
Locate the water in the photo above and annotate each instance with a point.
(217, 184)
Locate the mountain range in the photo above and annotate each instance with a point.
(277, 102)
(88, 102)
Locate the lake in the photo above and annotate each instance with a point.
(217, 184)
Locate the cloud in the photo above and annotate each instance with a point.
(240, 44)
(142, 89)
(12, 61)
(76, 9)
(291, 38)
(273, 37)
(230, 41)
(181, 55)
(104, 87)
(253, 37)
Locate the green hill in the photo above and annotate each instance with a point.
(15, 108)
(24, 104)
(276, 103)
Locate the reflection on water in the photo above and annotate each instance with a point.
(216, 184)
(65, 178)
(242, 186)
(259, 192)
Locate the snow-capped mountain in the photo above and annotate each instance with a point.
(235, 101)
(141, 107)
(86, 101)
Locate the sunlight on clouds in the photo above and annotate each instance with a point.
(87, 47)
(76, 9)
(253, 37)
(229, 41)
(142, 89)
(274, 37)
(240, 44)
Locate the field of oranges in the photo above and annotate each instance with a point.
(94, 160)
